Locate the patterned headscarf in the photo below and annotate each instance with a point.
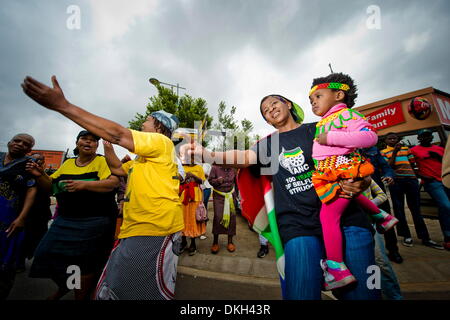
(169, 120)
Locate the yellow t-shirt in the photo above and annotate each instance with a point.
(196, 170)
(152, 206)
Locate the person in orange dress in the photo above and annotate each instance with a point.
(191, 197)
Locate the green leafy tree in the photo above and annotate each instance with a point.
(188, 109)
(237, 135)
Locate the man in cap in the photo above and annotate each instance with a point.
(429, 162)
(143, 263)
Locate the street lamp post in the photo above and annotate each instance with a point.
(156, 83)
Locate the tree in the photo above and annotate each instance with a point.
(188, 109)
(237, 136)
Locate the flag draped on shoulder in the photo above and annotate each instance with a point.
(258, 207)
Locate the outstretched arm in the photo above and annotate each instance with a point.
(53, 99)
(231, 158)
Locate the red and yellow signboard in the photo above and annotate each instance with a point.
(442, 104)
(388, 116)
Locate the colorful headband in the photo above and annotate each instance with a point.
(330, 85)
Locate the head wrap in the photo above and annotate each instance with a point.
(169, 120)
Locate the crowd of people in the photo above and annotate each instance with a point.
(142, 211)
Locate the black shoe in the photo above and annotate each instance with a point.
(432, 244)
(408, 242)
(192, 251)
(263, 251)
(183, 247)
(395, 257)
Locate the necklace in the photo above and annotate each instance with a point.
(82, 164)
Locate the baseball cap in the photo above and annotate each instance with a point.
(424, 131)
(83, 133)
(169, 120)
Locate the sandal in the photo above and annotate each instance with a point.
(231, 247)
(215, 248)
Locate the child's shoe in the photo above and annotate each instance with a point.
(386, 222)
(336, 274)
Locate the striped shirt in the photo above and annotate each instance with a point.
(404, 162)
(375, 194)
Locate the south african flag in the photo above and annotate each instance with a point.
(258, 207)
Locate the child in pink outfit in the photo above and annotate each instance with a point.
(338, 134)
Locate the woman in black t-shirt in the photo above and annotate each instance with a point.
(286, 156)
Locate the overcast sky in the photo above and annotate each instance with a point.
(231, 51)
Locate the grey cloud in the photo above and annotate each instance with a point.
(191, 42)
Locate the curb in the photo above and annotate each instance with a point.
(196, 284)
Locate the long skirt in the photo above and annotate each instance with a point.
(217, 227)
(141, 268)
(192, 228)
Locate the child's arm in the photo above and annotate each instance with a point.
(358, 133)
(378, 196)
(354, 139)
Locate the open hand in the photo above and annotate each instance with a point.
(74, 185)
(51, 98)
(34, 169)
(387, 180)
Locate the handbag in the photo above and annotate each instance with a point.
(200, 213)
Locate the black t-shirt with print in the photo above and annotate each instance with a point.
(297, 205)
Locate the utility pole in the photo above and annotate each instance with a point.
(156, 82)
(330, 68)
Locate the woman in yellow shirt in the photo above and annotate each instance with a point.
(143, 264)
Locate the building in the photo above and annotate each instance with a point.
(53, 159)
(395, 115)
